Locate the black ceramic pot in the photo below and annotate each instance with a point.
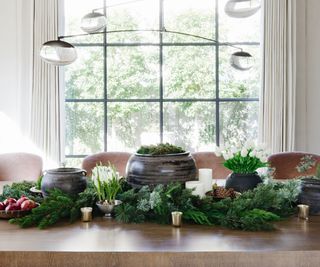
(243, 182)
(310, 195)
(160, 169)
(69, 180)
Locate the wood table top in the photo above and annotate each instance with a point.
(104, 234)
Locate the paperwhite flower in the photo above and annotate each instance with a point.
(104, 173)
(244, 152)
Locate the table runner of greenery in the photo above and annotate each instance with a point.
(253, 210)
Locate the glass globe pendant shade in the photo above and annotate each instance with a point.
(93, 22)
(241, 60)
(241, 8)
(58, 53)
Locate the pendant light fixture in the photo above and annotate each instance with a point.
(58, 53)
(93, 22)
(242, 8)
(61, 53)
(241, 60)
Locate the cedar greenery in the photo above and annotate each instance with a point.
(160, 149)
(254, 210)
(56, 207)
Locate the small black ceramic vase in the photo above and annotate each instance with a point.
(69, 180)
(243, 182)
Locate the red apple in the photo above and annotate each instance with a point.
(28, 205)
(21, 200)
(2, 206)
(9, 200)
(12, 206)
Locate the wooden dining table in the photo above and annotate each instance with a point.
(106, 242)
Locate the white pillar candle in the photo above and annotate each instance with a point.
(205, 176)
(197, 186)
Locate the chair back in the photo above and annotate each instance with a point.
(209, 160)
(118, 159)
(285, 164)
(20, 166)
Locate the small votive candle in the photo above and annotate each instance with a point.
(176, 218)
(197, 186)
(86, 214)
(303, 211)
(205, 176)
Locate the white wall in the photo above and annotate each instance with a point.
(308, 76)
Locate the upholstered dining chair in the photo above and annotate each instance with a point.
(118, 159)
(285, 164)
(211, 161)
(20, 166)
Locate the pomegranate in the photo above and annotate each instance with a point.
(12, 206)
(28, 205)
(9, 200)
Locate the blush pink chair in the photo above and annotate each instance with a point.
(20, 166)
(285, 164)
(118, 159)
(209, 160)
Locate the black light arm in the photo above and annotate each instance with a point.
(164, 30)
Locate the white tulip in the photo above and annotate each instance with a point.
(249, 145)
(218, 151)
(264, 159)
(225, 155)
(244, 152)
(252, 153)
(234, 150)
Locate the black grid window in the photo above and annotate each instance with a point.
(165, 109)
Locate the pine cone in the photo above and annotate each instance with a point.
(221, 192)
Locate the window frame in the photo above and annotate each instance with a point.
(161, 100)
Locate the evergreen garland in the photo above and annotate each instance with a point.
(254, 210)
(56, 207)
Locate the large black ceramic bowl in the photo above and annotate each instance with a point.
(310, 194)
(69, 180)
(160, 169)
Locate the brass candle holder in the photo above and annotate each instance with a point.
(303, 211)
(86, 214)
(176, 218)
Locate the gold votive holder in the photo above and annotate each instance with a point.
(176, 218)
(86, 214)
(303, 212)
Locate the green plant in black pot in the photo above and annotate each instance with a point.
(160, 149)
(243, 162)
(160, 164)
